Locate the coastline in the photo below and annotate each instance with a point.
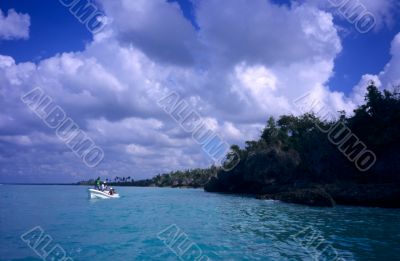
(315, 195)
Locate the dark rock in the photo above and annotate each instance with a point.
(213, 185)
(369, 195)
(310, 197)
(265, 197)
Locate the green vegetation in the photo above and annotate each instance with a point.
(117, 181)
(193, 178)
(294, 156)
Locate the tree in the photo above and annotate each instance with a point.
(270, 132)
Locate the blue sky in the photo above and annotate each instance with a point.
(236, 63)
(45, 39)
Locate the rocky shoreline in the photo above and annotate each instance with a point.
(310, 194)
(322, 195)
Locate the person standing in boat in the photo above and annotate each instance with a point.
(98, 183)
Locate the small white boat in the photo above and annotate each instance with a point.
(94, 193)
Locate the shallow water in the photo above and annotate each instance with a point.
(222, 227)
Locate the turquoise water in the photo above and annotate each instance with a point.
(223, 227)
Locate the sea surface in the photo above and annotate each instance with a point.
(185, 224)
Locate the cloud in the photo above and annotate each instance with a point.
(242, 31)
(14, 25)
(384, 11)
(157, 27)
(390, 75)
(245, 62)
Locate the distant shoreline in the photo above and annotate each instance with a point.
(41, 184)
(90, 185)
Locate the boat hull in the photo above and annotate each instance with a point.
(93, 193)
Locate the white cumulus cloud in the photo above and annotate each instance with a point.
(14, 25)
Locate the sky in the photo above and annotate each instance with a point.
(234, 63)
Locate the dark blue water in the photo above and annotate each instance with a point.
(223, 227)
